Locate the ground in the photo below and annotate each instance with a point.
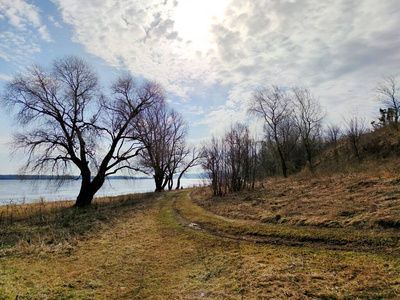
(165, 246)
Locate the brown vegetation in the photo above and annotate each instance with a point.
(133, 247)
(356, 200)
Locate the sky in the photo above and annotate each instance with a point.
(210, 55)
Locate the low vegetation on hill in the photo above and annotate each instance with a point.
(360, 200)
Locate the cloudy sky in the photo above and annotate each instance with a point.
(211, 54)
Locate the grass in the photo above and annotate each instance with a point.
(346, 239)
(136, 247)
(364, 200)
(43, 225)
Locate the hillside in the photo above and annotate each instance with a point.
(376, 148)
(363, 200)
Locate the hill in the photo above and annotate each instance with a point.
(365, 196)
(376, 147)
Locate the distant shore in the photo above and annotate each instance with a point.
(71, 177)
(52, 177)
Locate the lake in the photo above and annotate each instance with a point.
(29, 191)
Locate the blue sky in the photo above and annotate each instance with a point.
(210, 55)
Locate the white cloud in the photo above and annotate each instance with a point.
(339, 48)
(141, 36)
(219, 119)
(55, 23)
(20, 38)
(20, 13)
(16, 48)
(5, 77)
(194, 110)
(44, 33)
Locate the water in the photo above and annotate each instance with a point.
(29, 191)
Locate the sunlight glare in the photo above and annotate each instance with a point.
(194, 18)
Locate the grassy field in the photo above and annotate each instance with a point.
(164, 246)
(364, 200)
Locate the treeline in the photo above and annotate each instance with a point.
(295, 137)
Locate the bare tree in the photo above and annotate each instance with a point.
(334, 133)
(213, 161)
(190, 160)
(389, 94)
(69, 123)
(162, 132)
(308, 115)
(231, 161)
(355, 129)
(239, 157)
(275, 107)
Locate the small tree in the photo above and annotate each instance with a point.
(213, 161)
(190, 160)
(274, 106)
(389, 94)
(240, 157)
(162, 132)
(333, 134)
(231, 161)
(308, 115)
(69, 123)
(266, 163)
(355, 129)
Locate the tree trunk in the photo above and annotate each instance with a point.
(158, 186)
(88, 190)
(85, 197)
(170, 183)
(158, 180)
(178, 183)
(283, 162)
(309, 156)
(165, 183)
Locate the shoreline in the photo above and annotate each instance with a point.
(16, 192)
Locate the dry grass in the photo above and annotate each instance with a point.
(133, 248)
(48, 225)
(360, 200)
(316, 237)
